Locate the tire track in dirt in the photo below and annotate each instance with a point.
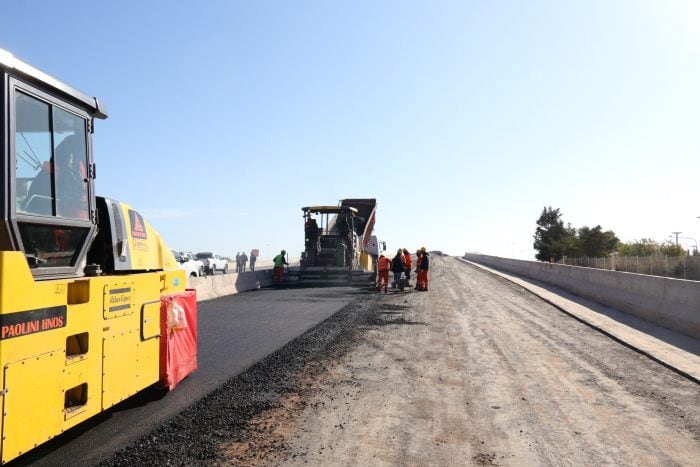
(586, 373)
(599, 359)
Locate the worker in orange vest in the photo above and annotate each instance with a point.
(422, 270)
(418, 274)
(408, 260)
(383, 266)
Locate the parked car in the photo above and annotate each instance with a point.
(194, 268)
(212, 262)
(189, 256)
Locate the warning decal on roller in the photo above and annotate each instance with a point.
(138, 228)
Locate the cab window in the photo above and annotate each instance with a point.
(51, 246)
(51, 183)
(50, 160)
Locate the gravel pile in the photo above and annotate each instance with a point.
(196, 436)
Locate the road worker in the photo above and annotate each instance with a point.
(398, 266)
(67, 172)
(253, 258)
(418, 275)
(383, 266)
(424, 266)
(71, 181)
(244, 261)
(278, 269)
(408, 261)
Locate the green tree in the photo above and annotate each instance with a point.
(649, 247)
(572, 244)
(643, 247)
(550, 235)
(671, 249)
(596, 243)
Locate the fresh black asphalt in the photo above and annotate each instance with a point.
(234, 332)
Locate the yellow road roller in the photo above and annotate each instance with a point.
(91, 299)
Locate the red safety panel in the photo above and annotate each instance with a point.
(178, 336)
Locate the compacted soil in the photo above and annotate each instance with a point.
(475, 371)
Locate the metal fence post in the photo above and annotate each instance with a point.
(684, 267)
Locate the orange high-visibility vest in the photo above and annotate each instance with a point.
(384, 264)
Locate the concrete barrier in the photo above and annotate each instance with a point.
(671, 303)
(216, 286)
(262, 263)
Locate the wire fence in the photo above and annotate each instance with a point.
(679, 267)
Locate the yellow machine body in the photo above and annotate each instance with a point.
(71, 348)
(146, 249)
(366, 261)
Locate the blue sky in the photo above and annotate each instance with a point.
(464, 119)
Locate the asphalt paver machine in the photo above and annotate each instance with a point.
(336, 240)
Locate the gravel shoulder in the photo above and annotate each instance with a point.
(476, 371)
(670, 348)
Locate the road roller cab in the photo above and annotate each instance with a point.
(49, 208)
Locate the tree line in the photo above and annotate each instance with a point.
(554, 240)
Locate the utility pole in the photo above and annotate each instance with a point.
(693, 239)
(676, 234)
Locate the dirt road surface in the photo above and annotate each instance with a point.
(477, 371)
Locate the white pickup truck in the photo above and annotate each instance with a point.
(192, 266)
(189, 257)
(212, 262)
